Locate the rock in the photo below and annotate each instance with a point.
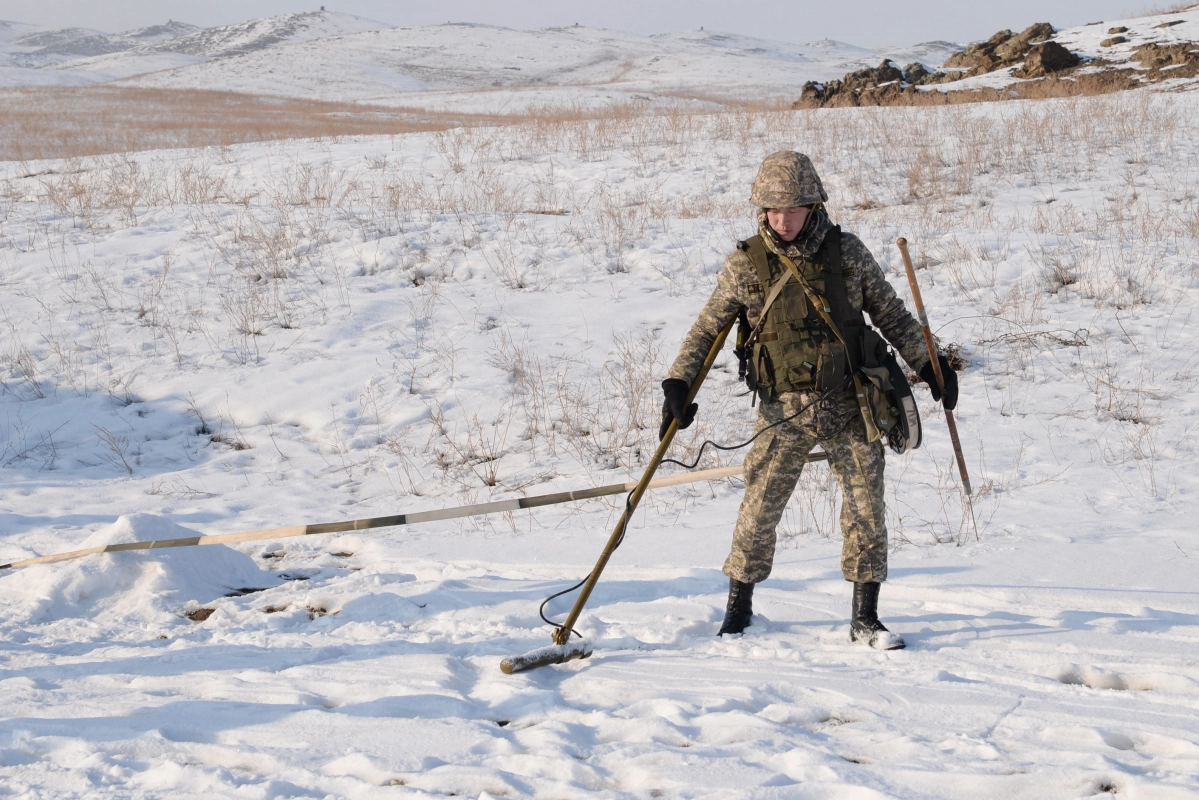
(1019, 45)
(1046, 58)
(1170, 24)
(844, 92)
(885, 72)
(1155, 56)
(980, 55)
(1113, 41)
(1004, 49)
(1118, 29)
(915, 72)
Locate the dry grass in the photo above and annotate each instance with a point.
(41, 122)
(75, 122)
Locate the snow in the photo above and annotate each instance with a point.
(459, 67)
(130, 588)
(1141, 30)
(333, 56)
(403, 65)
(208, 341)
(78, 57)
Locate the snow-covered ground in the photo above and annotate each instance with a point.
(459, 67)
(297, 332)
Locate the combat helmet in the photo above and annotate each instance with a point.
(787, 179)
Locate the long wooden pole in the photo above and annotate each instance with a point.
(562, 634)
(936, 362)
(476, 509)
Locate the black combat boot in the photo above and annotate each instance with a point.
(740, 608)
(865, 627)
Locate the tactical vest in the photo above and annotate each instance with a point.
(800, 350)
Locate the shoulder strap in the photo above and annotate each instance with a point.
(829, 257)
(820, 304)
(775, 291)
(756, 250)
(849, 321)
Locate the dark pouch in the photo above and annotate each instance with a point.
(760, 374)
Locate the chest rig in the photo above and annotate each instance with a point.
(795, 348)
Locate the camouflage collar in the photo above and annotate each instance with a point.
(805, 245)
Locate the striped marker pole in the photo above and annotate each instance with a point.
(499, 506)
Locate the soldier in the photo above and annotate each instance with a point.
(809, 337)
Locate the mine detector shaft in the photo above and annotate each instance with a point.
(563, 648)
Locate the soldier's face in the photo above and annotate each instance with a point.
(787, 222)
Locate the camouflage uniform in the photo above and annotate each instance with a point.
(773, 465)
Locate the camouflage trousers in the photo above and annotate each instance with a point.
(772, 469)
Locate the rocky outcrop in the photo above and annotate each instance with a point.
(1004, 49)
(1032, 50)
(1046, 58)
(1040, 67)
(1155, 56)
(867, 87)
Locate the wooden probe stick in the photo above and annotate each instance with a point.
(936, 362)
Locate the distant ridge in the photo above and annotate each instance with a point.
(477, 68)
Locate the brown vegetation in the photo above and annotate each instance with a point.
(48, 122)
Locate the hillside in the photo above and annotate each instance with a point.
(487, 69)
(327, 55)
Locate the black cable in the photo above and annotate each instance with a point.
(628, 516)
(628, 500)
(821, 399)
(546, 601)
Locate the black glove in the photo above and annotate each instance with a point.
(951, 382)
(674, 406)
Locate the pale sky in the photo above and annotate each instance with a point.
(869, 23)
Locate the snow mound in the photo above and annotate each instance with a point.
(140, 584)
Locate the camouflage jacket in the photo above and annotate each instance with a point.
(738, 286)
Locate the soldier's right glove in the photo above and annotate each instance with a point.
(674, 406)
(951, 382)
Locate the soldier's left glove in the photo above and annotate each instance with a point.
(951, 382)
(674, 406)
